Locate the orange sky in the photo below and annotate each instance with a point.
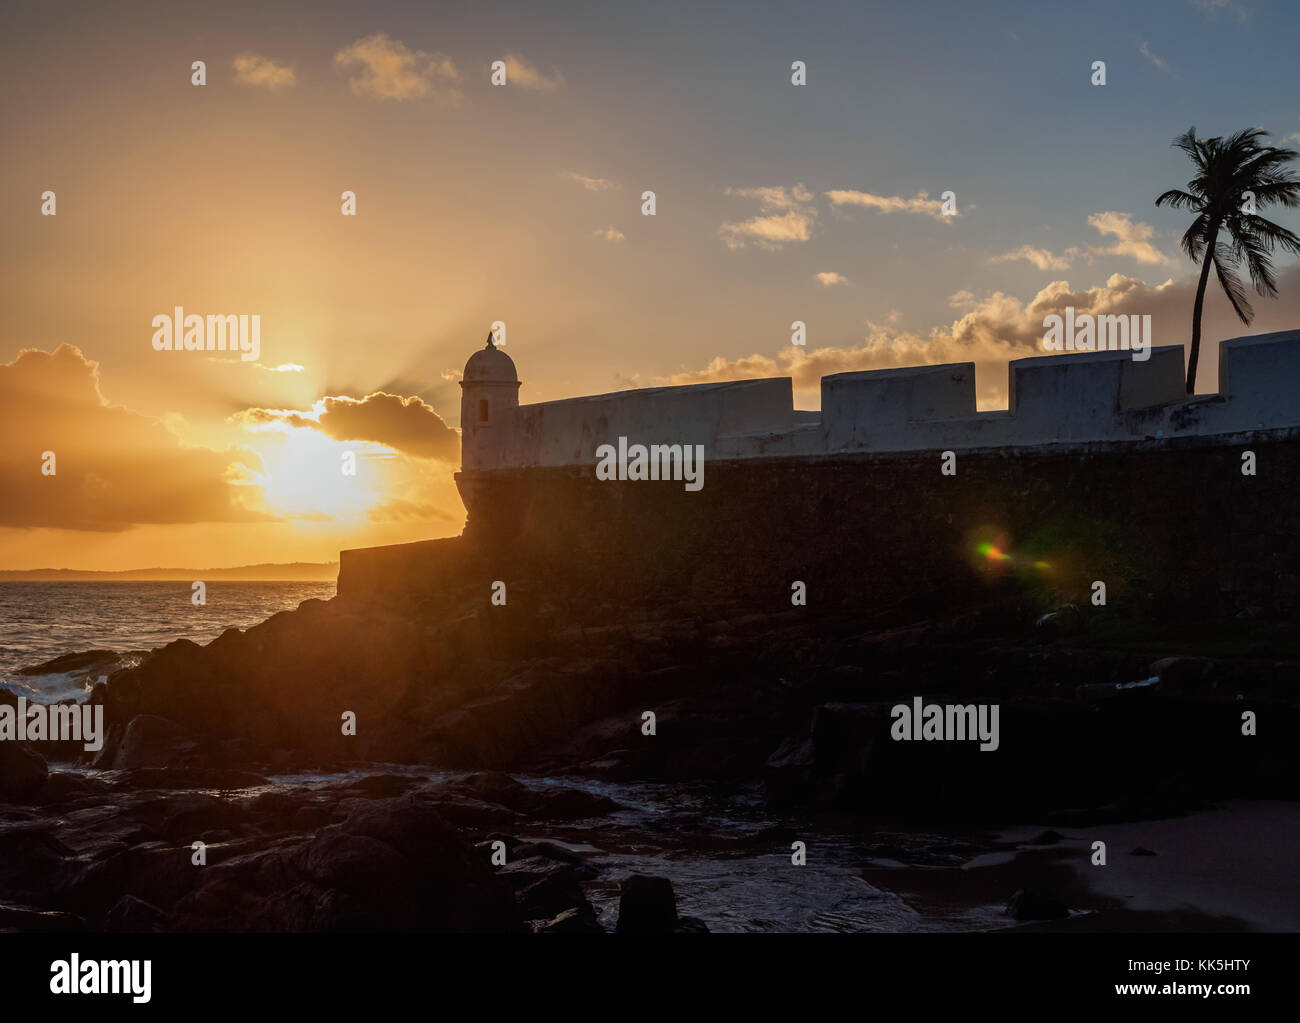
(521, 203)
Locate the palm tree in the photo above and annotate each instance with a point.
(1234, 177)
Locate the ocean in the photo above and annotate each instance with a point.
(41, 621)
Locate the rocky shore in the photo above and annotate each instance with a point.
(1108, 715)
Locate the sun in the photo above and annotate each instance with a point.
(308, 475)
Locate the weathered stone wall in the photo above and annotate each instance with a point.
(1170, 520)
(568, 432)
(1075, 398)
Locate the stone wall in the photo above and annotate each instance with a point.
(568, 432)
(1087, 397)
(1173, 519)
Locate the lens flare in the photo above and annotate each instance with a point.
(992, 552)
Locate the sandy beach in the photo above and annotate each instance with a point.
(1230, 868)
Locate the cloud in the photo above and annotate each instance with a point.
(263, 73)
(591, 184)
(114, 468)
(1002, 327)
(1041, 258)
(520, 72)
(610, 234)
(784, 217)
(920, 203)
(1133, 237)
(284, 367)
(388, 69)
(404, 424)
(831, 278)
(1159, 62)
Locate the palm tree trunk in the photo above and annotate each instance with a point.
(1195, 354)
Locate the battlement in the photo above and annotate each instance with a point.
(1094, 436)
(1082, 398)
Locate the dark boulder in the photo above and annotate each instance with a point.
(392, 865)
(22, 772)
(152, 741)
(130, 915)
(1031, 904)
(580, 920)
(544, 887)
(646, 905)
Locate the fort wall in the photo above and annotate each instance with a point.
(868, 531)
(1088, 397)
(1101, 469)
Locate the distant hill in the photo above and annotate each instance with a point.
(295, 572)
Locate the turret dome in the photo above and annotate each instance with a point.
(490, 364)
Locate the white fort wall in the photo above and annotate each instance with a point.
(569, 432)
(1058, 399)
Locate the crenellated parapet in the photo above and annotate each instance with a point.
(1079, 398)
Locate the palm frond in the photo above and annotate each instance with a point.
(1269, 234)
(1195, 239)
(1231, 284)
(1178, 199)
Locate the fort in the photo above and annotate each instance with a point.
(1100, 468)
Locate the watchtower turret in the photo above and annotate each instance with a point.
(489, 392)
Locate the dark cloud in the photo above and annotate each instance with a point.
(115, 468)
(408, 425)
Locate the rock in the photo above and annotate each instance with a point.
(183, 816)
(22, 772)
(566, 804)
(1031, 904)
(363, 866)
(544, 887)
(646, 905)
(382, 784)
(86, 659)
(392, 865)
(130, 915)
(63, 787)
(1141, 851)
(155, 873)
(690, 925)
(491, 798)
(311, 818)
(497, 787)
(26, 920)
(550, 850)
(152, 741)
(32, 859)
(835, 753)
(1046, 838)
(580, 920)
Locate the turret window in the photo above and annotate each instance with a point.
(482, 410)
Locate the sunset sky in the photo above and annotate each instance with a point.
(522, 203)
